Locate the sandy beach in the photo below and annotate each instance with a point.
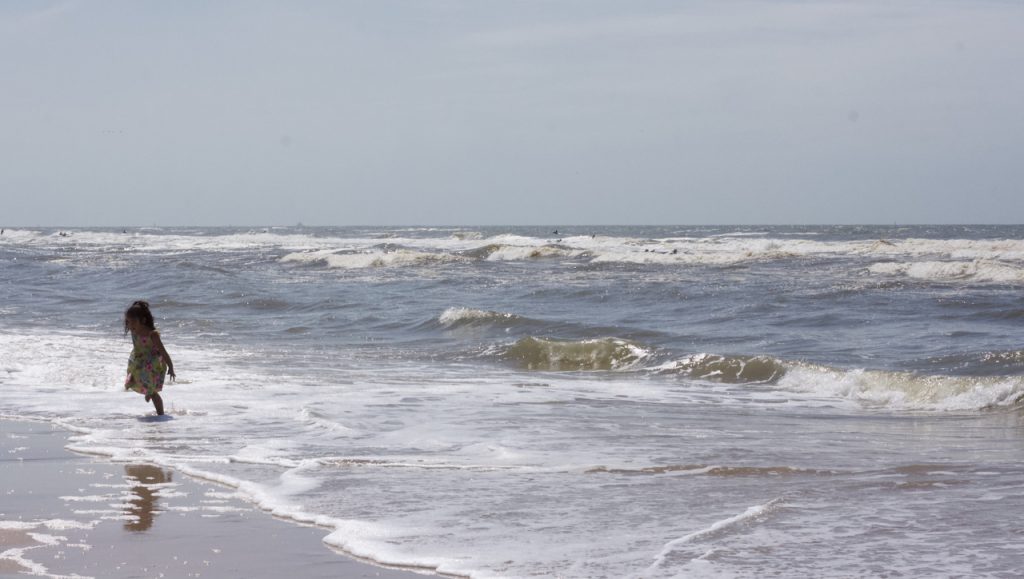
(64, 514)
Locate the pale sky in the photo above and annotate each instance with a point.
(482, 112)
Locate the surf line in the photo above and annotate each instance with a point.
(750, 513)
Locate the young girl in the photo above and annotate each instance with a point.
(149, 360)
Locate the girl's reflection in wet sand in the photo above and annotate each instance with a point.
(143, 506)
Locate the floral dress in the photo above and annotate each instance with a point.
(146, 368)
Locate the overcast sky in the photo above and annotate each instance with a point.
(515, 112)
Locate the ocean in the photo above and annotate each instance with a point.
(559, 401)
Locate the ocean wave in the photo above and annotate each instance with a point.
(508, 252)
(729, 369)
(477, 322)
(1015, 357)
(875, 389)
(983, 260)
(545, 354)
(979, 270)
(461, 316)
(20, 235)
(964, 249)
(370, 259)
(995, 260)
(990, 363)
(884, 389)
(735, 249)
(667, 254)
(905, 391)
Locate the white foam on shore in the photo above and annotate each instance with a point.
(362, 539)
(51, 524)
(488, 436)
(19, 556)
(750, 514)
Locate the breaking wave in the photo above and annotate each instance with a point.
(508, 252)
(370, 259)
(460, 316)
(978, 270)
(566, 355)
(729, 369)
(796, 381)
(905, 390)
(943, 260)
(883, 389)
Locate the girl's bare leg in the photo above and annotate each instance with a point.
(158, 403)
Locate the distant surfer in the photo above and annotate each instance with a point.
(149, 360)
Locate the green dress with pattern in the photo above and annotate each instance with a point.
(146, 368)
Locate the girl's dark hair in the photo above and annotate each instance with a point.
(139, 311)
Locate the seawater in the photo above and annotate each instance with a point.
(591, 402)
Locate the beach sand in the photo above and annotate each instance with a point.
(63, 514)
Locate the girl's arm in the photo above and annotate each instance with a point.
(163, 354)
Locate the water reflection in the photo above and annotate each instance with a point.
(143, 506)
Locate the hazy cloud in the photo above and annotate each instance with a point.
(528, 112)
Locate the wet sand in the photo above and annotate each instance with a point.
(63, 514)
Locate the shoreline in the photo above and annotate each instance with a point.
(70, 514)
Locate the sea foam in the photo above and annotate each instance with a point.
(982, 270)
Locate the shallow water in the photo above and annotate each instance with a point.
(671, 401)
